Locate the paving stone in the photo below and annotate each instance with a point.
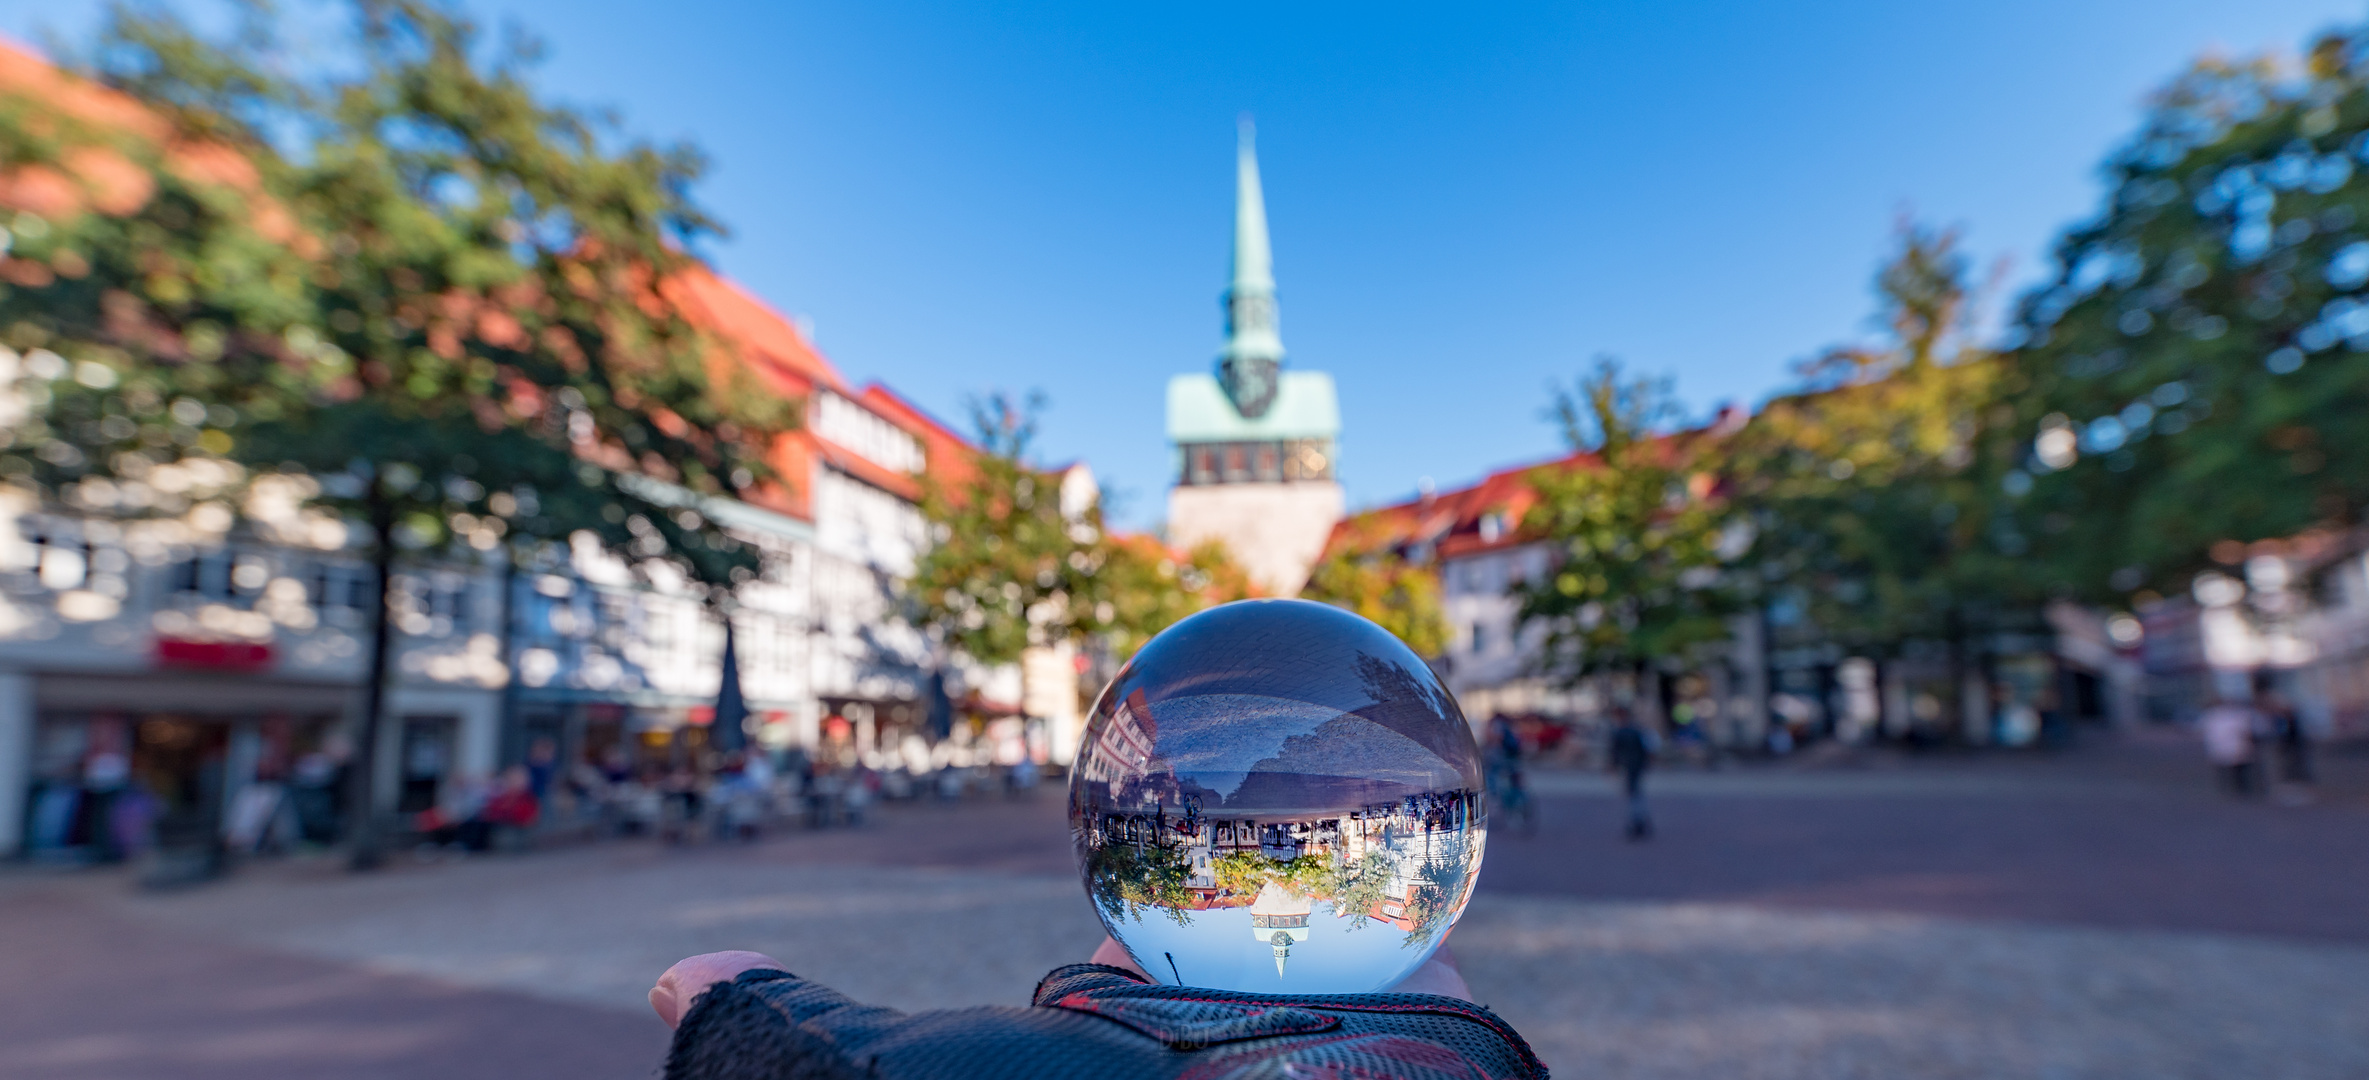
(1784, 925)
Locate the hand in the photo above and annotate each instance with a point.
(691, 977)
(1438, 975)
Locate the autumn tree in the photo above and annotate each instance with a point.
(1379, 582)
(1005, 561)
(404, 275)
(1641, 536)
(1148, 587)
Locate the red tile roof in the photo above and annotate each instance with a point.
(766, 342)
(91, 174)
(772, 347)
(1451, 521)
(949, 454)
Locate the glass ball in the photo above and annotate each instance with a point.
(1277, 796)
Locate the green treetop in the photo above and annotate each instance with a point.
(1875, 500)
(406, 276)
(2193, 371)
(1642, 538)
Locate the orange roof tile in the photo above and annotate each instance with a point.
(766, 341)
(96, 174)
(902, 485)
(1450, 521)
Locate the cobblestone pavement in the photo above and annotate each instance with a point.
(1950, 919)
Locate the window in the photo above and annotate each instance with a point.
(450, 599)
(340, 587)
(202, 575)
(1308, 459)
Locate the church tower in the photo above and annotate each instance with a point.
(1254, 443)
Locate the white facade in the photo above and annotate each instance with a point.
(251, 645)
(1274, 531)
(2299, 623)
(1491, 656)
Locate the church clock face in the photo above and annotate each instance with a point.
(1251, 382)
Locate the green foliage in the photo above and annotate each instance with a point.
(1875, 489)
(2192, 376)
(1244, 873)
(1148, 587)
(1434, 897)
(1006, 569)
(1382, 585)
(1641, 537)
(1358, 886)
(1009, 569)
(413, 278)
(1125, 878)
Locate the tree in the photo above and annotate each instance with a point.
(1640, 531)
(1149, 587)
(1872, 491)
(1380, 583)
(1010, 568)
(1875, 487)
(2190, 378)
(408, 277)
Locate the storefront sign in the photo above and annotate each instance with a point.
(215, 655)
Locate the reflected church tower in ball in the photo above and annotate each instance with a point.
(1255, 443)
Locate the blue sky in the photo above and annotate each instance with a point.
(1468, 201)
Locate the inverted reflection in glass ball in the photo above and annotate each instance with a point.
(1277, 796)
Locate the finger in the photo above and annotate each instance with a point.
(1436, 976)
(682, 984)
(1112, 953)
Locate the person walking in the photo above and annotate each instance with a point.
(1632, 754)
(2228, 730)
(2286, 729)
(1502, 773)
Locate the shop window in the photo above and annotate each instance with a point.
(1310, 460)
(450, 600)
(426, 760)
(205, 576)
(339, 587)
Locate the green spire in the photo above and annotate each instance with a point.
(1254, 262)
(1254, 342)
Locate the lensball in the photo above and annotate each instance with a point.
(1276, 796)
